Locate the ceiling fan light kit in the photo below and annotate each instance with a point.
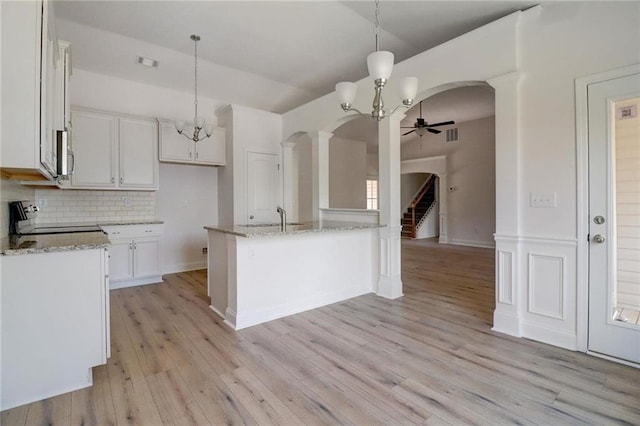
(198, 123)
(380, 66)
(421, 126)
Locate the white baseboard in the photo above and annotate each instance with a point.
(184, 267)
(133, 283)
(246, 319)
(506, 323)
(550, 336)
(471, 243)
(220, 314)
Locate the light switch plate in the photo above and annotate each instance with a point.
(543, 199)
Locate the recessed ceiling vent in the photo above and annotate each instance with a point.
(452, 134)
(147, 62)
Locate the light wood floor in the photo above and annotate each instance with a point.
(426, 358)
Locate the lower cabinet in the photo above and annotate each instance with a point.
(135, 254)
(55, 323)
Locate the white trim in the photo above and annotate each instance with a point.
(214, 309)
(552, 336)
(507, 323)
(614, 359)
(582, 195)
(184, 267)
(259, 316)
(470, 243)
(157, 279)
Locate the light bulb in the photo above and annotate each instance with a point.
(179, 126)
(197, 121)
(208, 128)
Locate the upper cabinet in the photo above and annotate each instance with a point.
(175, 148)
(114, 151)
(34, 90)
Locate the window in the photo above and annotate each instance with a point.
(372, 194)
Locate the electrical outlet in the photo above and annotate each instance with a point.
(127, 201)
(205, 250)
(545, 200)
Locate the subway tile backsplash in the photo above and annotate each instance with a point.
(60, 206)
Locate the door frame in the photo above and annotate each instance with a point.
(582, 198)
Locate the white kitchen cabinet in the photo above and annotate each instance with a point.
(135, 254)
(33, 90)
(55, 323)
(114, 151)
(175, 148)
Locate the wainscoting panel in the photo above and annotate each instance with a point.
(546, 285)
(505, 271)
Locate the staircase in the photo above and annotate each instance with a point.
(418, 208)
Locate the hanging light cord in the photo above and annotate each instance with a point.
(195, 40)
(377, 26)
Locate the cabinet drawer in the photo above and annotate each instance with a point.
(132, 231)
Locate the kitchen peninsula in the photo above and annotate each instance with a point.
(262, 272)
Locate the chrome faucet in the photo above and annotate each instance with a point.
(283, 218)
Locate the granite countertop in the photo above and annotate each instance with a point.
(31, 244)
(273, 230)
(47, 243)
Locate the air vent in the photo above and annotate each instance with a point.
(452, 134)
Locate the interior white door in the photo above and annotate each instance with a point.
(614, 218)
(263, 190)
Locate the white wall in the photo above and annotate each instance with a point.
(471, 210)
(347, 173)
(197, 185)
(249, 130)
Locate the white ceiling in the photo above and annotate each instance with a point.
(273, 55)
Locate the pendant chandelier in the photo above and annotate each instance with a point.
(380, 66)
(198, 123)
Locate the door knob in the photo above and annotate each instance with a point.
(598, 220)
(598, 238)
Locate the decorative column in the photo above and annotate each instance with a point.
(509, 298)
(288, 179)
(390, 282)
(320, 171)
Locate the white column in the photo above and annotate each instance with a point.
(509, 298)
(320, 171)
(443, 195)
(390, 281)
(288, 179)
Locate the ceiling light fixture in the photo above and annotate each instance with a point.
(198, 123)
(380, 65)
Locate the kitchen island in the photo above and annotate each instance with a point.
(258, 273)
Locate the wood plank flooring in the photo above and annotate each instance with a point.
(429, 357)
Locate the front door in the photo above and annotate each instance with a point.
(614, 218)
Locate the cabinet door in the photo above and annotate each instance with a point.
(49, 120)
(146, 255)
(94, 140)
(138, 154)
(212, 150)
(120, 261)
(173, 146)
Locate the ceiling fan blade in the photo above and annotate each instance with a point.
(434, 131)
(443, 123)
(410, 131)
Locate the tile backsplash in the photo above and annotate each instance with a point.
(60, 206)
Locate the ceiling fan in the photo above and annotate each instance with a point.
(421, 126)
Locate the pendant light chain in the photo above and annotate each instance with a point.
(377, 26)
(195, 40)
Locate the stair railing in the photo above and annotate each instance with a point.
(416, 200)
